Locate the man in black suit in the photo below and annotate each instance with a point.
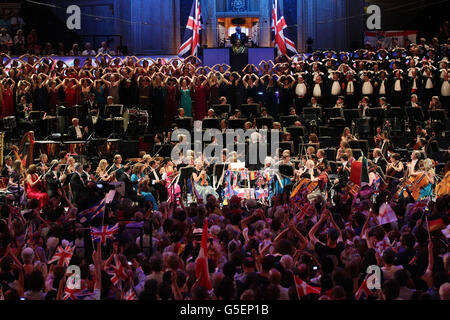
(157, 184)
(238, 35)
(129, 187)
(343, 173)
(77, 184)
(53, 179)
(351, 90)
(379, 161)
(76, 132)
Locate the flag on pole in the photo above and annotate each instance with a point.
(96, 211)
(201, 269)
(191, 39)
(118, 273)
(283, 44)
(303, 288)
(104, 232)
(359, 174)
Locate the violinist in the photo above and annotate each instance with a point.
(77, 184)
(102, 172)
(86, 175)
(343, 173)
(16, 178)
(379, 160)
(321, 158)
(34, 186)
(146, 161)
(117, 167)
(70, 165)
(130, 191)
(394, 171)
(201, 183)
(157, 184)
(413, 166)
(379, 137)
(54, 179)
(309, 172)
(417, 142)
(43, 163)
(141, 184)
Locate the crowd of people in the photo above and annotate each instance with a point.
(313, 234)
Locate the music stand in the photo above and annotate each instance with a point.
(316, 111)
(415, 114)
(286, 145)
(162, 150)
(260, 122)
(236, 123)
(220, 109)
(113, 112)
(326, 131)
(185, 174)
(36, 115)
(211, 123)
(297, 132)
(377, 113)
(218, 172)
(286, 170)
(333, 113)
(184, 123)
(287, 121)
(438, 114)
(396, 112)
(350, 114)
(249, 110)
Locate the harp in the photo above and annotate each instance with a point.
(25, 152)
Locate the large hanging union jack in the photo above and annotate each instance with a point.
(191, 39)
(283, 44)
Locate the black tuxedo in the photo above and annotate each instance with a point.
(78, 187)
(343, 175)
(129, 190)
(235, 36)
(419, 84)
(333, 98)
(158, 189)
(398, 98)
(73, 134)
(53, 184)
(350, 99)
(381, 163)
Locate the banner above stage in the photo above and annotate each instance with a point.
(387, 38)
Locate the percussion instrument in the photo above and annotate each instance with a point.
(110, 148)
(50, 148)
(75, 147)
(135, 119)
(9, 123)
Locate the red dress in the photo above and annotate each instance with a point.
(8, 103)
(71, 96)
(171, 104)
(200, 102)
(35, 193)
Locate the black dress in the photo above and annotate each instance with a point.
(158, 107)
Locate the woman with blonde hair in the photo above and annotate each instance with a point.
(101, 171)
(427, 167)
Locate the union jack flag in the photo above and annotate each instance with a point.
(279, 28)
(118, 272)
(62, 256)
(95, 211)
(414, 207)
(129, 295)
(191, 39)
(76, 294)
(363, 292)
(303, 288)
(104, 232)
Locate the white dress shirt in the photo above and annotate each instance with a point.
(367, 88)
(350, 87)
(445, 89)
(300, 90)
(317, 92)
(335, 88)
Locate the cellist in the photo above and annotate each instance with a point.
(394, 172)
